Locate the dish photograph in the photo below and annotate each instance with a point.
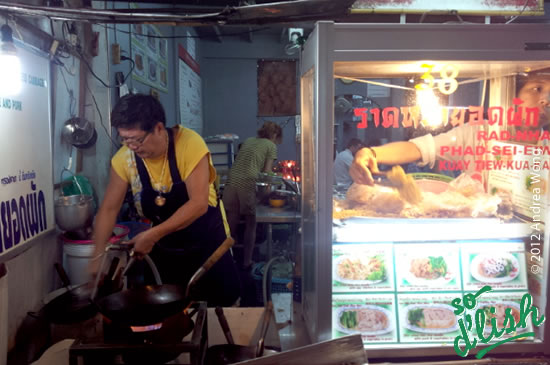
(430, 318)
(138, 60)
(500, 313)
(152, 69)
(431, 270)
(151, 39)
(365, 319)
(360, 270)
(494, 268)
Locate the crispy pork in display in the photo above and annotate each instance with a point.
(462, 199)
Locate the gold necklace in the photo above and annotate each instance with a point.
(159, 200)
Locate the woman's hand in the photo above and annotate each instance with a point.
(143, 243)
(363, 163)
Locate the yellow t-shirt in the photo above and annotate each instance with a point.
(190, 149)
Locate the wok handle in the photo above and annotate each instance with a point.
(224, 325)
(220, 251)
(62, 274)
(265, 325)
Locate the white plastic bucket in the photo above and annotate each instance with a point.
(78, 253)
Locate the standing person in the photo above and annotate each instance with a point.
(533, 90)
(171, 176)
(343, 161)
(239, 196)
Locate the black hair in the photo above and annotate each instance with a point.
(539, 75)
(354, 142)
(137, 111)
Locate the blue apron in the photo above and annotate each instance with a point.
(179, 254)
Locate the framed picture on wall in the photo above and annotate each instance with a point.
(276, 88)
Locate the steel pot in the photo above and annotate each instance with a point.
(74, 212)
(263, 189)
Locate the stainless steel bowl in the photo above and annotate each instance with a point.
(74, 212)
(263, 189)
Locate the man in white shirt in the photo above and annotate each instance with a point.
(343, 162)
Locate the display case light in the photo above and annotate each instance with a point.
(10, 67)
(430, 108)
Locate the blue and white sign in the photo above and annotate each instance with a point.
(26, 183)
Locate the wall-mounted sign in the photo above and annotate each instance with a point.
(463, 7)
(26, 184)
(150, 55)
(190, 91)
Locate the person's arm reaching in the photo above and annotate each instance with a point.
(270, 157)
(105, 218)
(268, 165)
(197, 184)
(367, 159)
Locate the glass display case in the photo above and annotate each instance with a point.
(463, 110)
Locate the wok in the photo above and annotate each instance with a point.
(73, 305)
(151, 304)
(231, 353)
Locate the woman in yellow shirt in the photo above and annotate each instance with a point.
(171, 175)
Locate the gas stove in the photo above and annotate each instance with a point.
(156, 344)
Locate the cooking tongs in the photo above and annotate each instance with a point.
(404, 183)
(381, 178)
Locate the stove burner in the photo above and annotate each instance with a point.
(159, 343)
(152, 327)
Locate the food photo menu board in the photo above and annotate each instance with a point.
(428, 267)
(498, 264)
(358, 268)
(427, 318)
(501, 302)
(416, 283)
(373, 316)
(149, 50)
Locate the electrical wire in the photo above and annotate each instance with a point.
(521, 12)
(184, 36)
(72, 99)
(101, 117)
(83, 59)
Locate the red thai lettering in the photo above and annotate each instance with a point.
(361, 112)
(532, 116)
(495, 115)
(514, 114)
(457, 117)
(390, 117)
(411, 116)
(376, 116)
(476, 115)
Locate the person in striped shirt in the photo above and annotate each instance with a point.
(256, 155)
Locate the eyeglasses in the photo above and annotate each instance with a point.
(133, 141)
